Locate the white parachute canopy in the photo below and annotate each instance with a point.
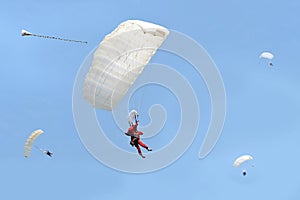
(30, 140)
(118, 61)
(266, 55)
(240, 160)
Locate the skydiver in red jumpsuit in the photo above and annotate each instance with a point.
(135, 138)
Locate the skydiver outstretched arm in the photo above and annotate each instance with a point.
(132, 134)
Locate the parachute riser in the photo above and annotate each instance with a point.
(38, 148)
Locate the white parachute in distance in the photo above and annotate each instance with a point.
(118, 61)
(240, 160)
(132, 116)
(30, 140)
(27, 33)
(267, 55)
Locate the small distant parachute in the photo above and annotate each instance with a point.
(132, 116)
(27, 33)
(30, 140)
(118, 61)
(240, 160)
(267, 55)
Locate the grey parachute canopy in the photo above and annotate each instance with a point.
(30, 140)
(118, 61)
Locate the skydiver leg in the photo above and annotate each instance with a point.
(144, 145)
(142, 155)
(139, 150)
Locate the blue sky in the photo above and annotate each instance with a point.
(37, 77)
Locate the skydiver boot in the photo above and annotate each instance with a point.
(142, 155)
(149, 149)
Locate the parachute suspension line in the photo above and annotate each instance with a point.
(137, 103)
(250, 164)
(35, 146)
(140, 102)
